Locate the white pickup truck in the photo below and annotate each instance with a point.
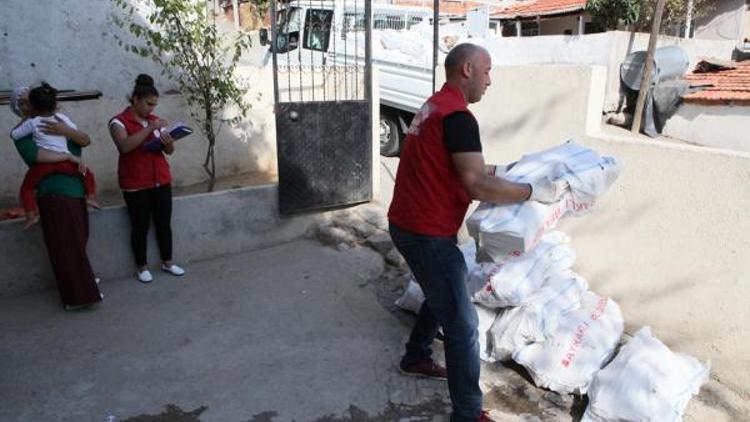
(401, 51)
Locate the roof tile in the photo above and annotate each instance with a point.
(532, 8)
(725, 86)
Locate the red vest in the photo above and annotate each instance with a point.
(428, 197)
(140, 169)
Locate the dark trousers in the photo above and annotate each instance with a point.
(65, 225)
(143, 205)
(439, 268)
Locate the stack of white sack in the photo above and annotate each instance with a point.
(503, 231)
(413, 295)
(582, 343)
(413, 298)
(486, 317)
(645, 382)
(499, 285)
(538, 318)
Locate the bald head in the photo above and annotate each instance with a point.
(459, 55)
(467, 67)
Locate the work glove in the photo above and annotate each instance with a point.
(548, 191)
(501, 169)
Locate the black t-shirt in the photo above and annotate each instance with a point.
(461, 133)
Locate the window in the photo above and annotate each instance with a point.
(317, 29)
(288, 23)
(529, 29)
(388, 21)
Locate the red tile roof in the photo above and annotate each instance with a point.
(446, 7)
(533, 8)
(727, 86)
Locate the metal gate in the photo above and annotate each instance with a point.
(321, 63)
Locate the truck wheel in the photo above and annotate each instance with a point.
(390, 136)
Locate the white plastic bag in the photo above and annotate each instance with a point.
(584, 340)
(645, 382)
(412, 298)
(486, 317)
(511, 283)
(503, 231)
(538, 318)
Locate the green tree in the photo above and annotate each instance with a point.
(178, 35)
(637, 14)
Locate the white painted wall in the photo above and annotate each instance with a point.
(717, 126)
(670, 241)
(44, 42)
(724, 22)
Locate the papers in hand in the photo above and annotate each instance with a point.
(179, 130)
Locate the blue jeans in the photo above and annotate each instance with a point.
(439, 268)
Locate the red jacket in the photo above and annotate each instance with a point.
(428, 197)
(140, 169)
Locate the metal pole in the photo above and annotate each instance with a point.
(435, 36)
(689, 18)
(272, 47)
(648, 67)
(236, 13)
(368, 53)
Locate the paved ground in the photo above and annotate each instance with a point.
(298, 332)
(287, 333)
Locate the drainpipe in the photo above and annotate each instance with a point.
(688, 18)
(518, 28)
(580, 24)
(236, 13)
(538, 25)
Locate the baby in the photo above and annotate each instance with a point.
(39, 107)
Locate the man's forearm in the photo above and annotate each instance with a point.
(499, 191)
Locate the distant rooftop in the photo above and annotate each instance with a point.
(726, 86)
(531, 8)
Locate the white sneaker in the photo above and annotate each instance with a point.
(145, 276)
(173, 269)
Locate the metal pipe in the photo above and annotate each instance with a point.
(272, 47)
(236, 13)
(435, 38)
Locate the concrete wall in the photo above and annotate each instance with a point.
(724, 22)
(718, 126)
(204, 226)
(669, 242)
(56, 54)
(607, 49)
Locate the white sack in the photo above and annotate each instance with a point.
(486, 317)
(537, 319)
(503, 231)
(412, 298)
(645, 382)
(512, 282)
(584, 340)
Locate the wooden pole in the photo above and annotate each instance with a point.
(648, 67)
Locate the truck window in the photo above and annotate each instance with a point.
(288, 22)
(317, 29)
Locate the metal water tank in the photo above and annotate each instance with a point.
(669, 62)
